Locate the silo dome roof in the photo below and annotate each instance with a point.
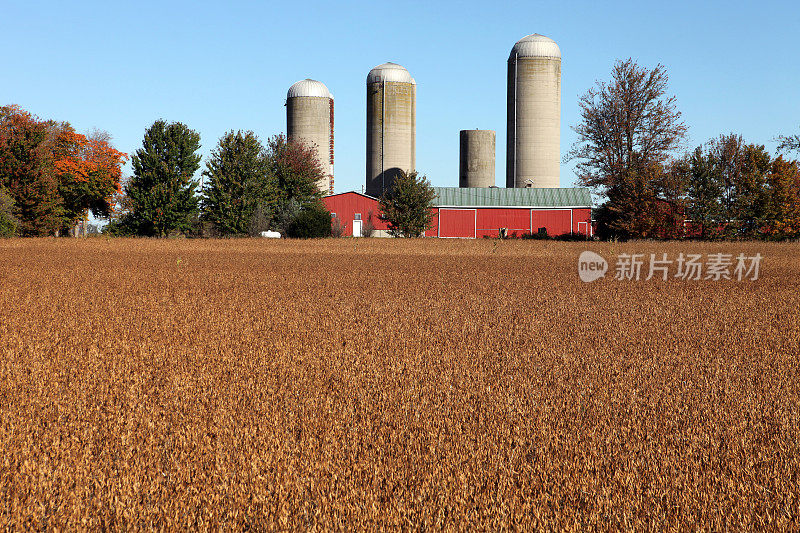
(390, 72)
(536, 45)
(309, 87)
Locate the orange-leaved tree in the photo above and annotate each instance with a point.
(89, 170)
(54, 175)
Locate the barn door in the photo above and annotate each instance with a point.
(459, 223)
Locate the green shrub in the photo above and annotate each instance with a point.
(310, 223)
(538, 236)
(571, 237)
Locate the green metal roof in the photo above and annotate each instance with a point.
(501, 197)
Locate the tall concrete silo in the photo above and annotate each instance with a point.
(309, 118)
(476, 158)
(534, 113)
(391, 125)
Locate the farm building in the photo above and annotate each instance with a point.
(479, 212)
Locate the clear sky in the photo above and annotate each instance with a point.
(217, 66)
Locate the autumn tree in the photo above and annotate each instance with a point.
(629, 128)
(407, 205)
(703, 192)
(161, 192)
(740, 171)
(293, 170)
(748, 208)
(239, 181)
(784, 199)
(737, 189)
(89, 170)
(55, 175)
(27, 173)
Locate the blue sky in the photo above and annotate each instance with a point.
(217, 66)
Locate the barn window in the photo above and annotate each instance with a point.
(333, 215)
(358, 216)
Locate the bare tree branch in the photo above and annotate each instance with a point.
(789, 143)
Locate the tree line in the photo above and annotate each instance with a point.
(52, 177)
(247, 187)
(631, 152)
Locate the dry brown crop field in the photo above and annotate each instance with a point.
(388, 384)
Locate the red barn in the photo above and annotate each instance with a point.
(478, 212)
(352, 209)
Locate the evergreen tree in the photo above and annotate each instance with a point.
(239, 183)
(161, 192)
(406, 206)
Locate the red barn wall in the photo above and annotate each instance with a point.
(582, 221)
(454, 221)
(555, 221)
(347, 204)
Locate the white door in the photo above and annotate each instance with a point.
(356, 228)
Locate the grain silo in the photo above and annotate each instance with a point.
(534, 113)
(309, 118)
(476, 158)
(391, 125)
